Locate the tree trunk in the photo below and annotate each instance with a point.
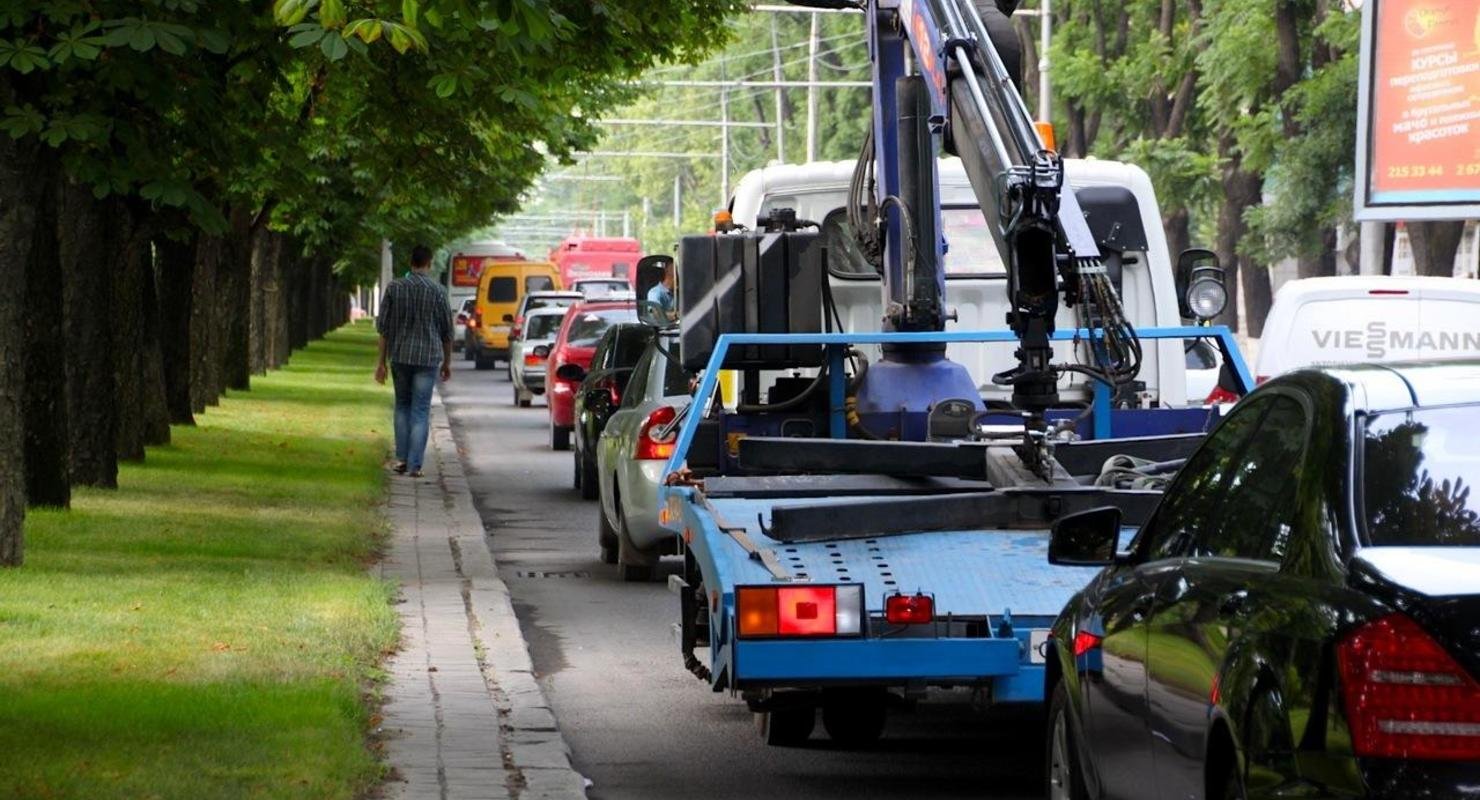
(204, 325)
(17, 219)
(1179, 234)
(131, 251)
(1240, 192)
(48, 481)
(156, 420)
(1434, 245)
(1323, 263)
(264, 245)
(83, 249)
(234, 304)
(175, 269)
(284, 260)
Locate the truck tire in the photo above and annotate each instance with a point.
(1065, 778)
(786, 727)
(482, 361)
(559, 438)
(854, 717)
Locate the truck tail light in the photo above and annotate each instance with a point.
(909, 609)
(658, 436)
(799, 611)
(1220, 395)
(1406, 697)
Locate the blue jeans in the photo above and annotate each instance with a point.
(413, 411)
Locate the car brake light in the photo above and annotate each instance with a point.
(909, 609)
(657, 438)
(1406, 697)
(1220, 395)
(782, 611)
(533, 359)
(1084, 641)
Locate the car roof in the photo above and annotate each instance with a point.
(603, 305)
(1338, 286)
(554, 293)
(1401, 384)
(548, 311)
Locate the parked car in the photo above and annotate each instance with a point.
(529, 352)
(631, 456)
(538, 300)
(602, 288)
(1355, 318)
(1203, 365)
(600, 393)
(462, 315)
(574, 346)
(1300, 610)
(501, 288)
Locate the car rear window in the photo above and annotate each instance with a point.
(586, 328)
(1419, 470)
(675, 377)
(550, 302)
(503, 290)
(543, 326)
(538, 283)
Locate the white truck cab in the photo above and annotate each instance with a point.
(975, 275)
(1357, 318)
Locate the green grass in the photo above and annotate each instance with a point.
(209, 629)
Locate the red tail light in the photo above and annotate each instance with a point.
(533, 360)
(518, 326)
(1220, 395)
(658, 436)
(1406, 697)
(1084, 641)
(909, 609)
(767, 611)
(477, 319)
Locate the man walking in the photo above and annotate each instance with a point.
(415, 325)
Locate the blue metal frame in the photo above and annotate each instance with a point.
(837, 343)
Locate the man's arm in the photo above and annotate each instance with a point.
(444, 325)
(382, 324)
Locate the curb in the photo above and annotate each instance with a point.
(536, 746)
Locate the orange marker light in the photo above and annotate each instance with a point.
(758, 615)
(1045, 132)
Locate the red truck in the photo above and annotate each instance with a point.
(579, 256)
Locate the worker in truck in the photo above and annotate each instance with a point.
(660, 297)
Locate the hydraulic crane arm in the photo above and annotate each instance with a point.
(956, 86)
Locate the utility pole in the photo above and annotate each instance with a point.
(678, 200)
(776, 69)
(812, 45)
(724, 135)
(626, 223)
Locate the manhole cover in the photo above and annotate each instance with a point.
(569, 573)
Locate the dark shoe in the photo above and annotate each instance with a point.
(416, 473)
(400, 468)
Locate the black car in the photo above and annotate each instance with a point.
(1300, 617)
(601, 392)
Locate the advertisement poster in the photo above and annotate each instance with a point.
(467, 269)
(1423, 108)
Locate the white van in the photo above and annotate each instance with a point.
(1352, 319)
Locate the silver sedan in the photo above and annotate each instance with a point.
(528, 353)
(630, 459)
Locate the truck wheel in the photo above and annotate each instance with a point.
(854, 717)
(606, 537)
(559, 438)
(1065, 780)
(468, 352)
(481, 361)
(786, 727)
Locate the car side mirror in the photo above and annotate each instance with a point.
(508, 318)
(598, 397)
(650, 270)
(571, 372)
(1086, 538)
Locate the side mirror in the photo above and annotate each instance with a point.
(571, 372)
(1085, 539)
(1201, 293)
(596, 398)
(508, 318)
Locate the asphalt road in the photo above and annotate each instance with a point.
(641, 726)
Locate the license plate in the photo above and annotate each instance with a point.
(1036, 640)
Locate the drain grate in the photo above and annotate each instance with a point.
(569, 573)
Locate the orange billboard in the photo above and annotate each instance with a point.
(1420, 142)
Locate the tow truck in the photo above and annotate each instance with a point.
(872, 527)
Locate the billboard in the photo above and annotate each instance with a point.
(1418, 111)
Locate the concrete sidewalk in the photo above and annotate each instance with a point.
(464, 716)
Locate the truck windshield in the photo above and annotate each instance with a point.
(1419, 471)
(971, 252)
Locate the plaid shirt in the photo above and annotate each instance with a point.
(415, 320)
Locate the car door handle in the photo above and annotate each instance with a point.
(1234, 604)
